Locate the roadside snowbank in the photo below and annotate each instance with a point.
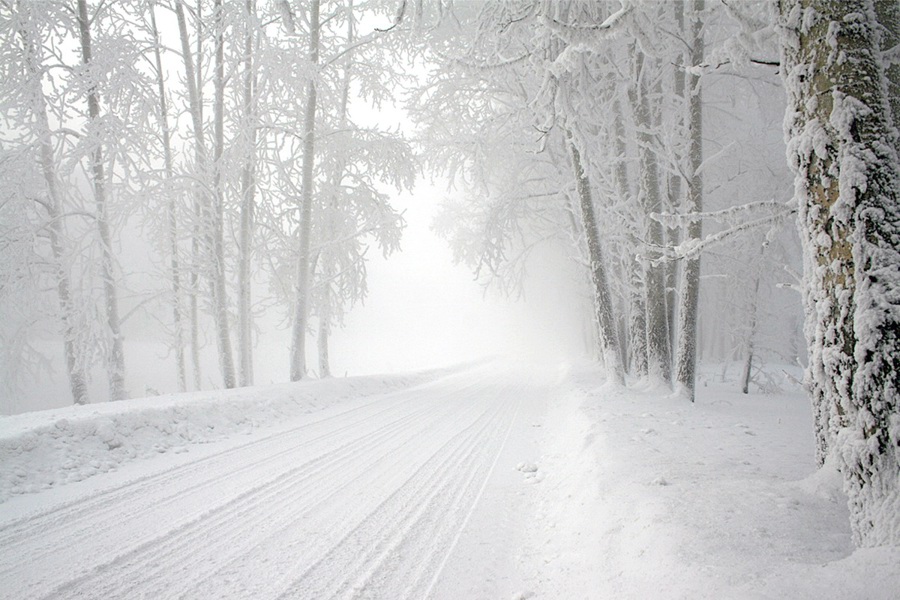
(45, 449)
(646, 496)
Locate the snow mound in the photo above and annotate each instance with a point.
(46, 449)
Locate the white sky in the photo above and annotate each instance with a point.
(424, 311)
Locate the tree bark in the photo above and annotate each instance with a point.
(847, 183)
(301, 312)
(115, 359)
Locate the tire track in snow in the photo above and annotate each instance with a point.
(369, 500)
(232, 520)
(91, 519)
(361, 552)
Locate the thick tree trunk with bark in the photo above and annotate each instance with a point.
(301, 306)
(840, 146)
(115, 359)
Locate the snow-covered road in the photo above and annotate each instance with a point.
(388, 496)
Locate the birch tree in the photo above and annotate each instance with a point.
(841, 149)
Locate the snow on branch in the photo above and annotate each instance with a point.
(585, 38)
(485, 66)
(727, 214)
(573, 33)
(693, 248)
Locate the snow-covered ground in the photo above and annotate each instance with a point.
(484, 481)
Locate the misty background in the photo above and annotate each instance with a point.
(423, 255)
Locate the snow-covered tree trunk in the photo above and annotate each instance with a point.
(301, 306)
(195, 108)
(841, 149)
(75, 363)
(115, 358)
(337, 177)
(603, 308)
(675, 187)
(220, 293)
(172, 224)
(637, 321)
(658, 349)
(686, 367)
(248, 190)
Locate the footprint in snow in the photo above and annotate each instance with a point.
(530, 472)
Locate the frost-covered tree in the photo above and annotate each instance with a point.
(841, 146)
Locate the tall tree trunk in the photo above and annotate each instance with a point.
(220, 289)
(337, 177)
(301, 312)
(658, 355)
(195, 109)
(248, 190)
(171, 209)
(115, 359)
(673, 234)
(686, 368)
(637, 323)
(848, 189)
(75, 363)
(606, 323)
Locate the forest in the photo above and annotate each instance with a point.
(720, 176)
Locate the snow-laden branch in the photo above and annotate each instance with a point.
(584, 38)
(573, 33)
(673, 219)
(693, 248)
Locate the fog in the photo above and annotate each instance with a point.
(170, 211)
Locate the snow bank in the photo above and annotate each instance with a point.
(647, 496)
(49, 448)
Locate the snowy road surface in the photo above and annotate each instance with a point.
(409, 494)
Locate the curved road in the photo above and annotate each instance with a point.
(372, 499)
